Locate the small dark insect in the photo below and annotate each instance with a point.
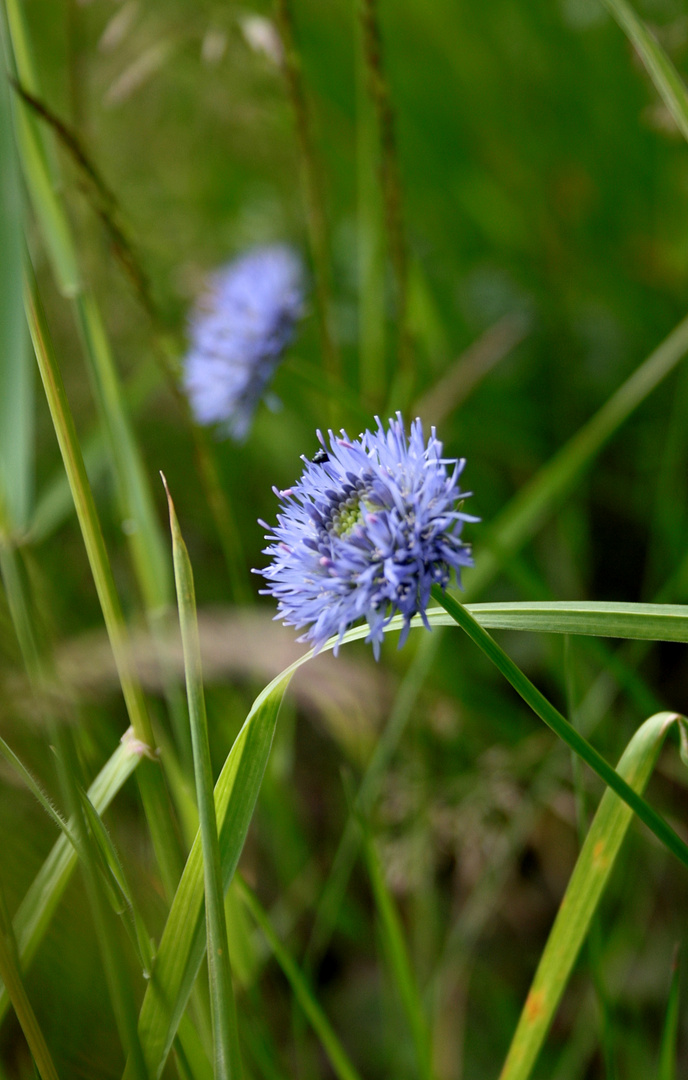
(320, 457)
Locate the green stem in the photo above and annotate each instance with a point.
(315, 202)
(223, 1011)
(390, 181)
(560, 726)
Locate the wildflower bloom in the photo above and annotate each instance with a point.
(238, 333)
(371, 525)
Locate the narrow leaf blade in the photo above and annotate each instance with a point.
(582, 897)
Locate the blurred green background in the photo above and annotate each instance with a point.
(544, 194)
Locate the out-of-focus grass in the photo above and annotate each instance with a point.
(542, 181)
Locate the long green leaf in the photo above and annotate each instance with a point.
(648, 622)
(183, 942)
(150, 775)
(653, 622)
(585, 888)
(226, 1054)
(659, 67)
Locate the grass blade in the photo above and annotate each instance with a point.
(659, 67)
(534, 504)
(16, 369)
(116, 884)
(553, 718)
(398, 958)
(223, 1012)
(182, 945)
(653, 622)
(312, 185)
(36, 790)
(150, 775)
(585, 888)
(341, 1065)
(647, 622)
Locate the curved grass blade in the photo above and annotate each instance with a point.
(561, 727)
(341, 1065)
(659, 67)
(36, 909)
(582, 896)
(227, 1059)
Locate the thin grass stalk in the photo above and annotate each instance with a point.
(659, 67)
(313, 186)
(669, 1044)
(398, 959)
(560, 726)
(391, 186)
(535, 503)
(227, 1056)
(370, 246)
(327, 910)
(303, 992)
(149, 775)
(147, 548)
(221, 509)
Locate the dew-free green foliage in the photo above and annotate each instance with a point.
(491, 200)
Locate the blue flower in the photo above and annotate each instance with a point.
(371, 525)
(238, 333)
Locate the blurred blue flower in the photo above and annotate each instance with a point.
(370, 526)
(238, 333)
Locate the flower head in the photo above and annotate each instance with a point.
(371, 525)
(238, 333)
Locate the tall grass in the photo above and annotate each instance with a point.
(320, 866)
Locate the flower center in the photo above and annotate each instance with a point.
(347, 516)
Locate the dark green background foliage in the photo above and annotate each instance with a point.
(542, 180)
